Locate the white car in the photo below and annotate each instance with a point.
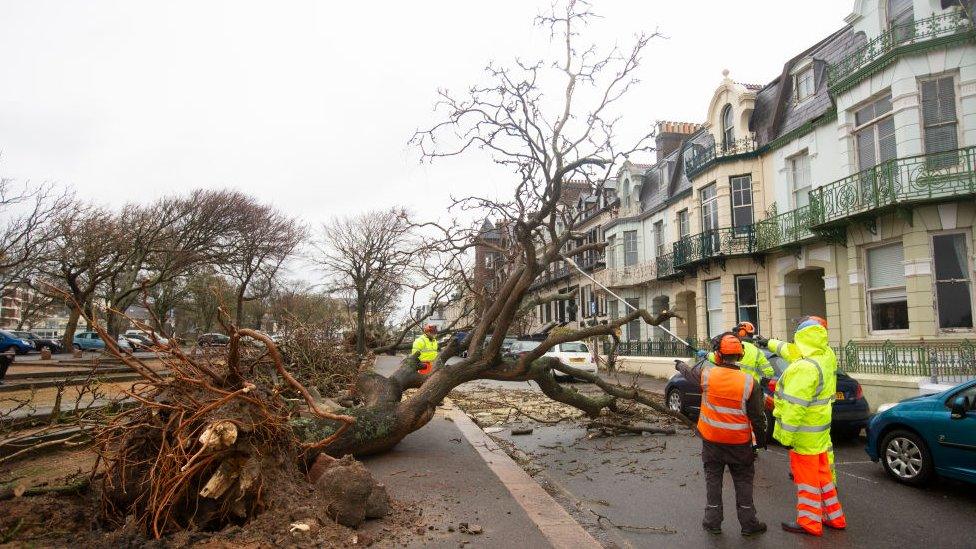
(575, 354)
(148, 336)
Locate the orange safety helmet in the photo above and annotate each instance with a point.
(744, 329)
(430, 329)
(727, 345)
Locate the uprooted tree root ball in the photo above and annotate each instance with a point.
(211, 446)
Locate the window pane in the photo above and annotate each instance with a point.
(865, 149)
(713, 304)
(746, 290)
(863, 115)
(633, 327)
(885, 266)
(749, 314)
(955, 305)
(951, 262)
(889, 315)
(886, 140)
(882, 105)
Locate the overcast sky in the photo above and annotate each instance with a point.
(309, 104)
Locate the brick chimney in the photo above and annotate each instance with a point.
(670, 135)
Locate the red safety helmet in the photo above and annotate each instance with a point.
(727, 345)
(744, 329)
(430, 329)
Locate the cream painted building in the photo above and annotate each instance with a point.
(843, 188)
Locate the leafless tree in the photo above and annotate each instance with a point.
(550, 122)
(26, 213)
(367, 256)
(261, 240)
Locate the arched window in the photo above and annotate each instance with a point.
(626, 194)
(728, 128)
(901, 20)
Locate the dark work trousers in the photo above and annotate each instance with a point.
(740, 460)
(5, 361)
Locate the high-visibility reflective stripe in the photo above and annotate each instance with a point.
(810, 502)
(779, 348)
(724, 425)
(723, 409)
(820, 381)
(807, 488)
(827, 488)
(835, 514)
(831, 501)
(802, 428)
(746, 391)
(812, 516)
(801, 401)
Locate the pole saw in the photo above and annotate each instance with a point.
(625, 302)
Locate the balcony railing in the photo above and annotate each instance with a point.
(942, 361)
(705, 156)
(880, 50)
(633, 275)
(725, 242)
(665, 267)
(784, 229)
(668, 347)
(922, 178)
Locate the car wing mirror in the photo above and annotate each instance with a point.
(958, 407)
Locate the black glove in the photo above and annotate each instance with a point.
(760, 341)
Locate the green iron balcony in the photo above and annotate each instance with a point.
(665, 268)
(901, 181)
(925, 33)
(714, 244)
(786, 229)
(700, 158)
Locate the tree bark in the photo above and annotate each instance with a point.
(360, 322)
(67, 340)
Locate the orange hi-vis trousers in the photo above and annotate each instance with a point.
(816, 495)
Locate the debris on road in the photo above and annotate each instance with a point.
(522, 431)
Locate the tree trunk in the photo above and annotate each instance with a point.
(360, 322)
(69, 329)
(239, 313)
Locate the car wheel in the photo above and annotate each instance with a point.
(906, 458)
(77, 347)
(674, 401)
(7, 349)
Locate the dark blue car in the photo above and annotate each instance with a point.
(927, 435)
(10, 342)
(850, 410)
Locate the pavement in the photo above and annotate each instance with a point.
(456, 474)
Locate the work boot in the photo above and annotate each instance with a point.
(796, 528)
(754, 529)
(712, 529)
(833, 527)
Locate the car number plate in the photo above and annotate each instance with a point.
(577, 360)
(840, 395)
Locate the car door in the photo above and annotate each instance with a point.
(956, 437)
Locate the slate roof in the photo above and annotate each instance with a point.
(776, 110)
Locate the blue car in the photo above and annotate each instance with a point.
(922, 436)
(91, 341)
(10, 342)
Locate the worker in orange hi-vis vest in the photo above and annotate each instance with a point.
(425, 349)
(731, 418)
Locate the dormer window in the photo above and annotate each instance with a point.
(803, 84)
(728, 127)
(901, 20)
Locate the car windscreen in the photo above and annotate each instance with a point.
(573, 347)
(524, 345)
(5, 333)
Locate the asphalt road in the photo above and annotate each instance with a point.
(656, 481)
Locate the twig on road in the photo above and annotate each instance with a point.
(601, 519)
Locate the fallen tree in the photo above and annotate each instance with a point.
(509, 117)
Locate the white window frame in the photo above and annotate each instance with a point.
(972, 279)
(741, 230)
(684, 223)
(791, 170)
(955, 97)
(708, 311)
(659, 238)
(612, 251)
(738, 304)
(868, 290)
(728, 126)
(804, 75)
(634, 252)
(872, 126)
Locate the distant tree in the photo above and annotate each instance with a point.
(260, 241)
(26, 213)
(367, 257)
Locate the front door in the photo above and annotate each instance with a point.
(957, 438)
